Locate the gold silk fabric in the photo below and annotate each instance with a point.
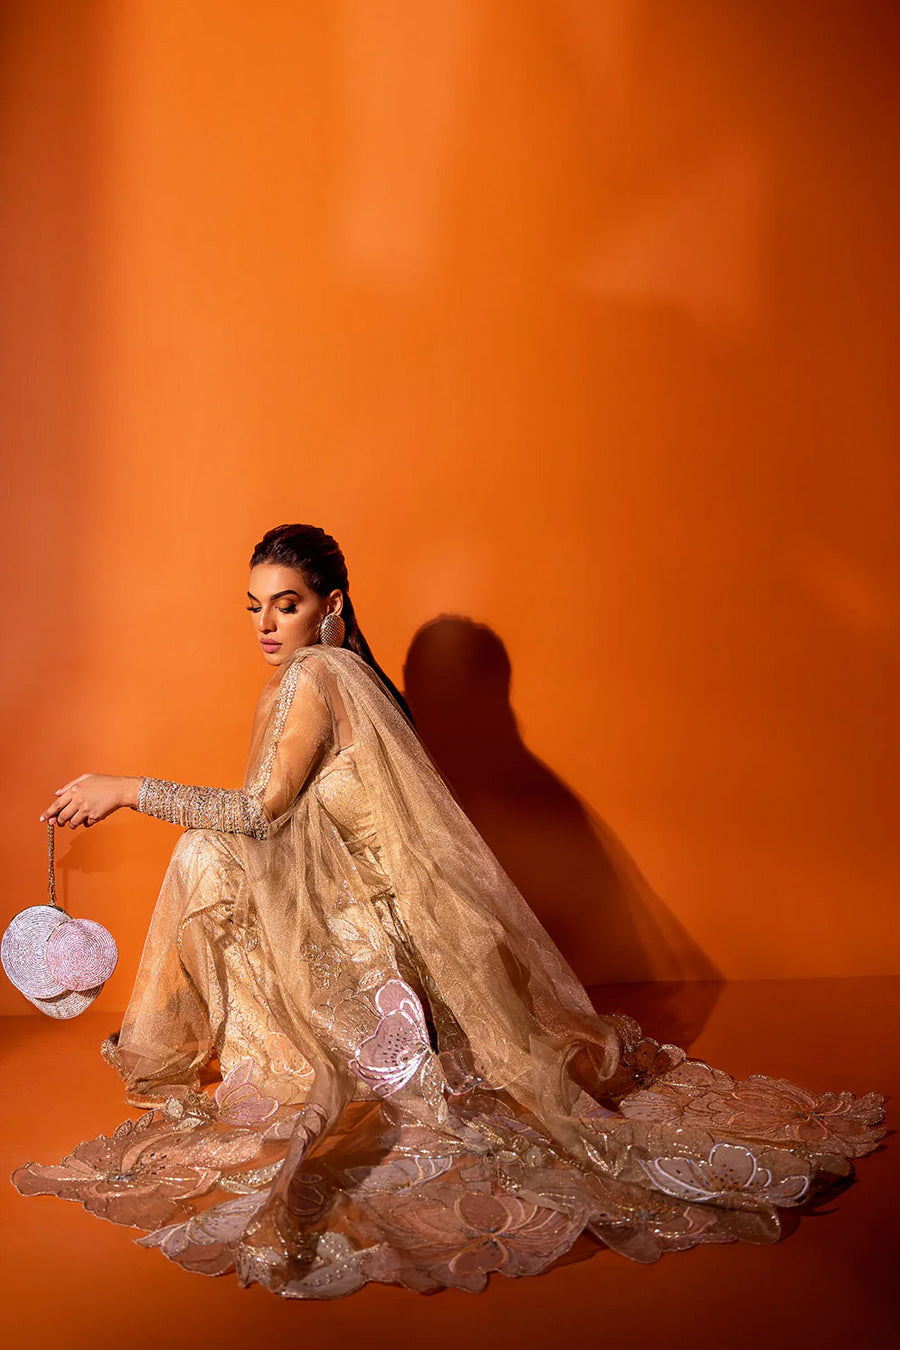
(359, 1056)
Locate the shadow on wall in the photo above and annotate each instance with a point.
(574, 872)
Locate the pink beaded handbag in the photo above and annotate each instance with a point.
(59, 963)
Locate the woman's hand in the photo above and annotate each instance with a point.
(91, 797)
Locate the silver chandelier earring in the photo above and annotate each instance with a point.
(331, 630)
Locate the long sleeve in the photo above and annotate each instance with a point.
(296, 730)
(232, 810)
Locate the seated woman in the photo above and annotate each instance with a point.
(359, 1054)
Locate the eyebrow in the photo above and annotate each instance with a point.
(277, 594)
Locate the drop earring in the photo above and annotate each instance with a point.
(331, 630)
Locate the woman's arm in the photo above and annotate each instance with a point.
(298, 731)
(93, 796)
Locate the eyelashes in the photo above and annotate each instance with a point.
(254, 609)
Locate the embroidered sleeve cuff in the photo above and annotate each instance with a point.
(230, 810)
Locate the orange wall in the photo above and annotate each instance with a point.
(572, 322)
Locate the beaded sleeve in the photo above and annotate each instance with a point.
(232, 810)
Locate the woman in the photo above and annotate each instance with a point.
(360, 1055)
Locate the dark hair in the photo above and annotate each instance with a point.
(308, 549)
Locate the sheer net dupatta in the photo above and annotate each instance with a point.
(528, 1022)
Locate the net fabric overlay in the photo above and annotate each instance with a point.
(359, 1057)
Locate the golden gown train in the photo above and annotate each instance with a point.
(361, 1057)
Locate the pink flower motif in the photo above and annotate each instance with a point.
(141, 1174)
(398, 1046)
(686, 1088)
(759, 1108)
(444, 1234)
(730, 1172)
(779, 1111)
(240, 1102)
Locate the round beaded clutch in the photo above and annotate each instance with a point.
(59, 963)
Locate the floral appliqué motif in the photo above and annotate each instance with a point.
(240, 1101)
(785, 1113)
(730, 1171)
(759, 1108)
(141, 1174)
(399, 1045)
(450, 1236)
(642, 1064)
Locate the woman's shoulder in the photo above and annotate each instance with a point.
(325, 663)
(321, 655)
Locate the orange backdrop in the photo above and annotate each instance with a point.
(572, 321)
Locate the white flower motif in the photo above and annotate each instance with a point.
(730, 1170)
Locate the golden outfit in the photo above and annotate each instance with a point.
(361, 1056)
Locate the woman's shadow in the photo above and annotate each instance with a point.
(616, 933)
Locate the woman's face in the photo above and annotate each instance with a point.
(285, 613)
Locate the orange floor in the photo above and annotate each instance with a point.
(75, 1281)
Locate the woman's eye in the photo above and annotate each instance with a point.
(291, 609)
(254, 609)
